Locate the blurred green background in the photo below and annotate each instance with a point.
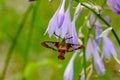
(22, 31)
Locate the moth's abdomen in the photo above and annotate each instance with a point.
(61, 54)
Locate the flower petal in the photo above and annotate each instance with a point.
(98, 64)
(114, 5)
(68, 74)
(98, 32)
(53, 23)
(72, 30)
(66, 24)
(108, 48)
(89, 48)
(61, 14)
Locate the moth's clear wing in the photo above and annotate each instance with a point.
(51, 45)
(67, 48)
(72, 47)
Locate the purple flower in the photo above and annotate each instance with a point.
(56, 21)
(67, 28)
(67, 22)
(92, 51)
(98, 25)
(31, 0)
(63, 30)
(107, 18)
(108, 46)
(94, 21)
(114, 5)
(89, 48)
(99, 66)
(72, 30)
(53, 23)
(98, 31)
(92, 45)
(73, 33)
(68, 74)
(61, 14)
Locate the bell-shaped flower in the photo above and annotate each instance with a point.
(98, 31)
(72, 30)
(108, 46)
(114, 5)
(92, 51)
(68, 74)
(53, 23)
(57, 20)
(61, 14)
(99, 66)
(89, 48)
(94, 21)
(63, 30)
(67, 22)
(97, 26)
(74, 34)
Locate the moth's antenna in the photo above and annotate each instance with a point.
(68, 38)
(57, 35)
(62, 38)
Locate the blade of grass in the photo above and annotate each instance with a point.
(9, 54)
(35, 9)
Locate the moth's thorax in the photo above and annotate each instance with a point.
(63, 43)
(62, 47)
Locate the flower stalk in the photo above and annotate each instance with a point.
(84, 59)
(101, 18)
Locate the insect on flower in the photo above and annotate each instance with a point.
(62, 47)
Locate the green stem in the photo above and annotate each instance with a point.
(101, 18)
(9, 54)
(84, 59)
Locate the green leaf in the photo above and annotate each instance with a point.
(77, 0)
(33, 66)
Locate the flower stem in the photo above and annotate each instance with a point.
(84, 59)
(9, 54)
(101, 18)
